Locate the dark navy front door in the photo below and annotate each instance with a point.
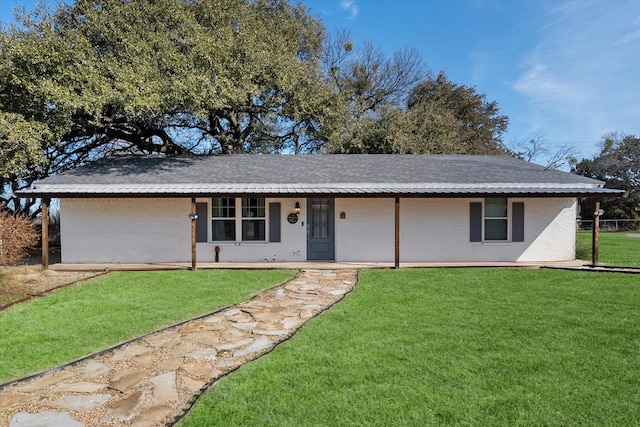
(320, 229)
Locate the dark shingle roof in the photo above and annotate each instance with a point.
(380, 175)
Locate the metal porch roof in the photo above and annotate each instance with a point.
(333, 175)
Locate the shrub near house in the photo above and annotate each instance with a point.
(17, 234)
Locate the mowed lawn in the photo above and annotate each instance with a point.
(472, 347)
(99, 313)
(620, 248)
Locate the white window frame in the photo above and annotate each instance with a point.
(250, 216)
(244, 214)
(223, 217)
(506, 219)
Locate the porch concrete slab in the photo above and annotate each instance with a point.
(308, 265)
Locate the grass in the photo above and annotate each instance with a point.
(12, 280)
(450, 347)
(97, 314)
(29, 281)
(617, 248)
(9, 276)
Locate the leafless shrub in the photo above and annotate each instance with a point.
(17, 234)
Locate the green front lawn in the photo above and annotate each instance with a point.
(616, 248)
(97, 314)
(450, 347)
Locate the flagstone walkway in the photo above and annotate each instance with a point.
(153, 380)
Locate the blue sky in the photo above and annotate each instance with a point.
(568, 71)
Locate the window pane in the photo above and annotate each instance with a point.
(253, 229)
(223, 207)
(320, 223)
(223, 230)
(495, 208)
(253, 207)
(495, 229)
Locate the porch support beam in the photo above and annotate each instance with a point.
(397, 250)
(193, 217)
(45, 233)
(595, 230)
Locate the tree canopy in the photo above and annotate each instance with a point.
(96, 78)
(396, 105)
(618, 164)
(172, 76)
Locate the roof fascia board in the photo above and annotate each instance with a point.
(595, 193)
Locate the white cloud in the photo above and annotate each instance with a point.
(351, 7)
(583, 71)
(634, 34)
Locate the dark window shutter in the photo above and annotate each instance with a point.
(517, 222)
(202, 234)
(475, 222)
(274, 222)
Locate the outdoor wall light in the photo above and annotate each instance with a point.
(193, 216)
(297, 208)
(599, 213)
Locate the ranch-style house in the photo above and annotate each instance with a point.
(345, 208)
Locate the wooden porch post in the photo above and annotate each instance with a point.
(397, 260)
(45, 233)
(193, 217)
(595, 229)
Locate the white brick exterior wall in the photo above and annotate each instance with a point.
(158, 230)
(438, 230)
(367, 233)
(125, 230)
(292, 247)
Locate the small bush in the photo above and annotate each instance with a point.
(583, 247)
(17, 234)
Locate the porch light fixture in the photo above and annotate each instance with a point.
(297, 208)
(193, 216)
(600, 212)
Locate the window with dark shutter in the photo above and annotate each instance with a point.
(202, 232)
(475, 224)
(274, 222)
(517, 222)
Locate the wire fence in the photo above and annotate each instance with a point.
(611, 224)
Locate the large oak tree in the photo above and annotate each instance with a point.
(102, 77)
(106, 77)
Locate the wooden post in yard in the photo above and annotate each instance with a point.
(45, 233)
(397, 260)
(595, 229)
(193, 233)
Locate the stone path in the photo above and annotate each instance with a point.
(153, 380)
